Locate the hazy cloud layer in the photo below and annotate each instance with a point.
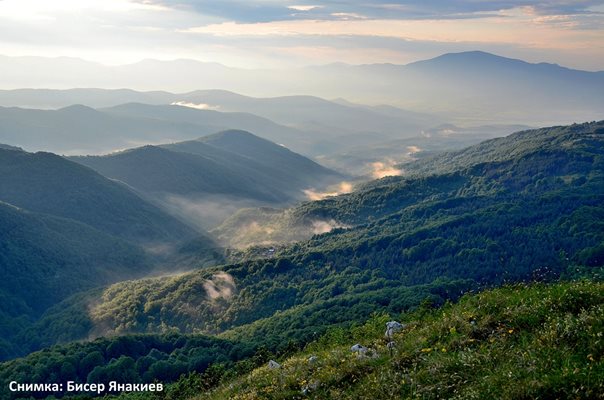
(271, 33)
(267, 10)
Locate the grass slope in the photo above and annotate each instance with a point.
(518, 342)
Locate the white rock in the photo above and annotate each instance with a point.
(392, 327)
(357, 348)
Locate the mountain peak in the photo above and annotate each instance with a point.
(232, 134)
(474, 57)
(78, 108)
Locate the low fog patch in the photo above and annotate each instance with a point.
(381, 169)
(413, 149)
(335, 190)
(205, 212)
(325, 226)
(220, 286)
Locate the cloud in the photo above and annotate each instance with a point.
(498, 29)
(348, 16)
(267, 10)
(303, 8)
(197, 106)
(204, 212)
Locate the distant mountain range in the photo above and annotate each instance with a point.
(475, 86)
(80, 129)
(124, 118)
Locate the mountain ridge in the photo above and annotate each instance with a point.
(536, 86)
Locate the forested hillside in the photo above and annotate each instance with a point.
(48, 183)
(526, 164)
(44, 259)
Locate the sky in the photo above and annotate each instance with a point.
(282, 33)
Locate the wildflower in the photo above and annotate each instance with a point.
(426, 350)
(443, 350)
(510, 331)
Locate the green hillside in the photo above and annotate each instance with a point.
(158, 170)
(522, 166)
(44, 259)
(50, 184)
(553, 139)
(66, 229)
